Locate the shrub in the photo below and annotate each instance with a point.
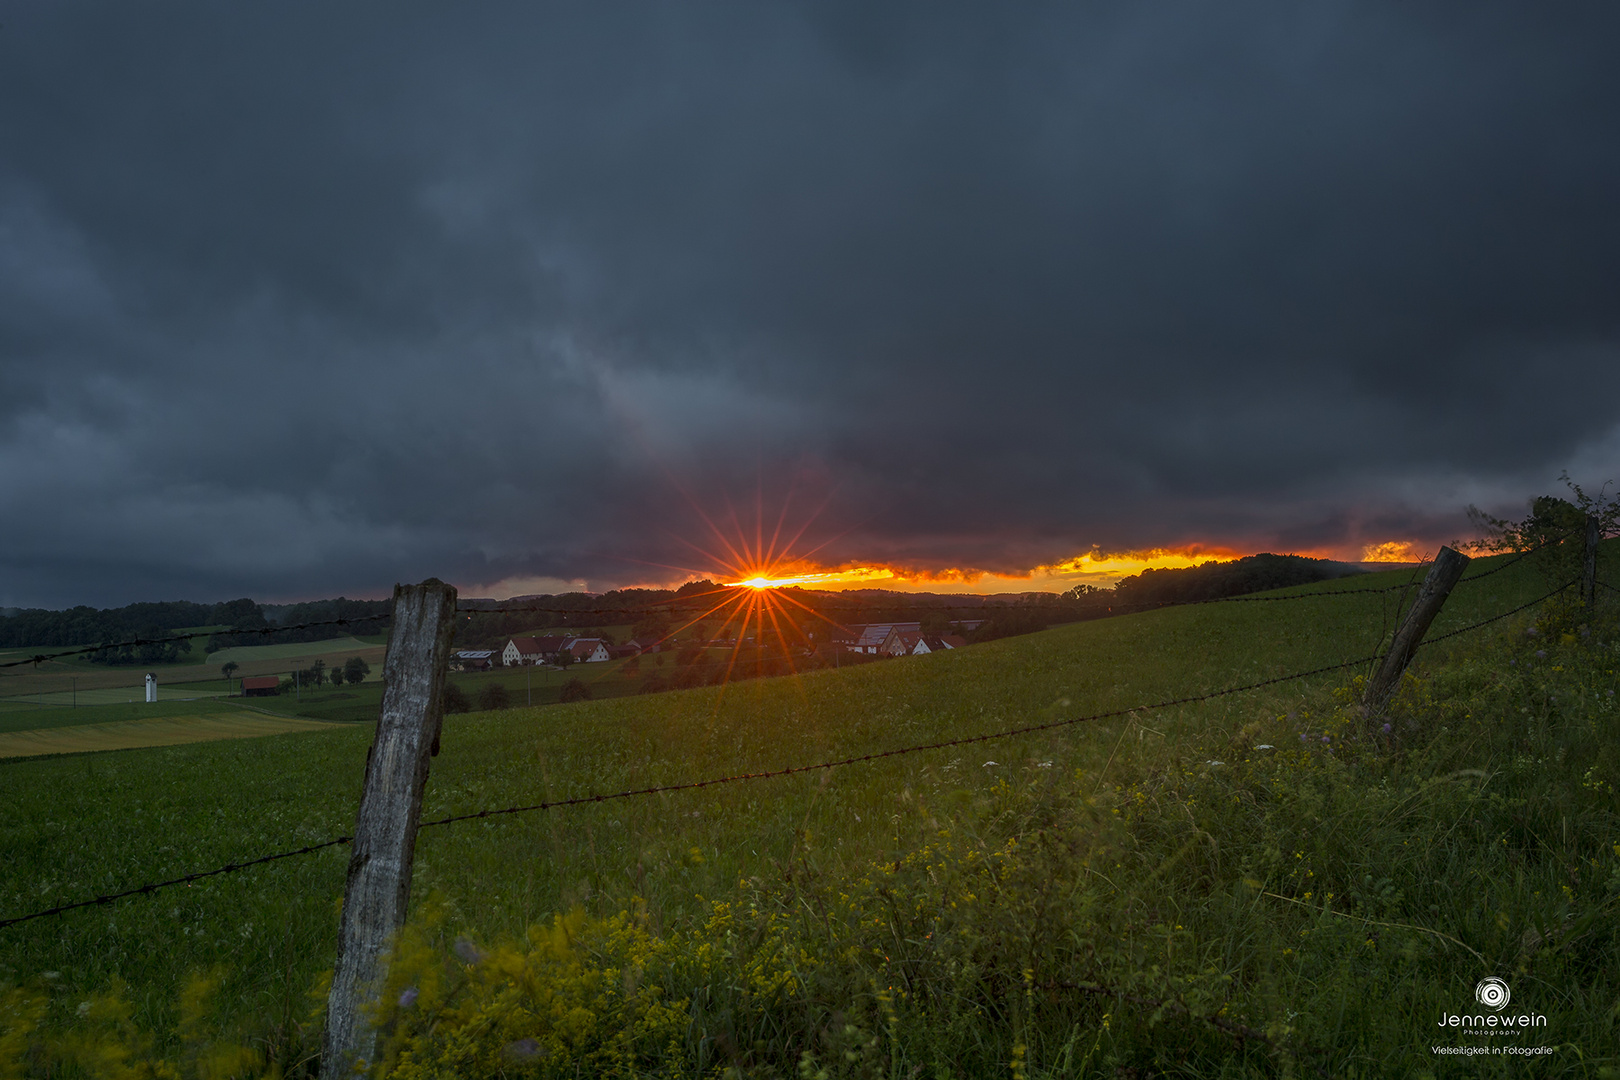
(455, 699)
(575, 690)
(494, 697)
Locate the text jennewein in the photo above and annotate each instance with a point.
(1493, 1020)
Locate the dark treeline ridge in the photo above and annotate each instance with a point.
(366, 617)
(1217, 580)
(237, 620)
(91, 626)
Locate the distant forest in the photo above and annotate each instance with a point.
(36, 627)
(684, 613)
(1215, 580)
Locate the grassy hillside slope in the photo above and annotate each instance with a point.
(1135, 892)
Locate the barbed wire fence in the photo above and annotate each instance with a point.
(429, 715)
(789, 770)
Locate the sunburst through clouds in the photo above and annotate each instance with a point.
(764, 628)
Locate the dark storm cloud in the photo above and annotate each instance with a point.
(296, 301)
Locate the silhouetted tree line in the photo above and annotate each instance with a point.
(1216, 580)
(369, 617)
(38, 627)
(90, 626)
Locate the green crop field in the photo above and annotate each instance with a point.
(249, 654)
(1260, 883)
(44, 718)
(147, 732)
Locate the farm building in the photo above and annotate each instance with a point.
(933, 644)
(532, 650)
(261, 685)
(870, 638)
(588, 650)
(899, 642)
(521, 650)
(474, 659)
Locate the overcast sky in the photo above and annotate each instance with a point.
(299, 300)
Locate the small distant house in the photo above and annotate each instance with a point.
(898, 642)
(589, 650)
(648, 644)
(261, 685)
(521, 650)
(938, 643)
(475, 659)
(625, 651)
(870, 638)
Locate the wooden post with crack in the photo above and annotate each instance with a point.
(1448, 567)
(1594, 533)
(379, 882)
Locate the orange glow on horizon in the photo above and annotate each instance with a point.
(1398, 551)
(1088, 568)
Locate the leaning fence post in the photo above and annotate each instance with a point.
(1589, 567)
(379, 882)
(1448, 567)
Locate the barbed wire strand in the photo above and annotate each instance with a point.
(774, 773)
(228, 868)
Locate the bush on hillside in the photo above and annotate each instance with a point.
(494, 697)
(455, 699)
(575, 690)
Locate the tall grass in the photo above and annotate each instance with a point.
(1152, 892)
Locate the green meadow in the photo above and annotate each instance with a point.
(1259, 883)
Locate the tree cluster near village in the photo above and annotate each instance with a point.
(353, 671)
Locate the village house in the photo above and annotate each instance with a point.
(899, 642)
(588, 650)
(533, 650)
(870, 638)
(938, 643)
(474, 660)
(521, 650)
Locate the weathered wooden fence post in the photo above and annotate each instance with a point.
(379, 883)
(1589, 565)
(1448, 567)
